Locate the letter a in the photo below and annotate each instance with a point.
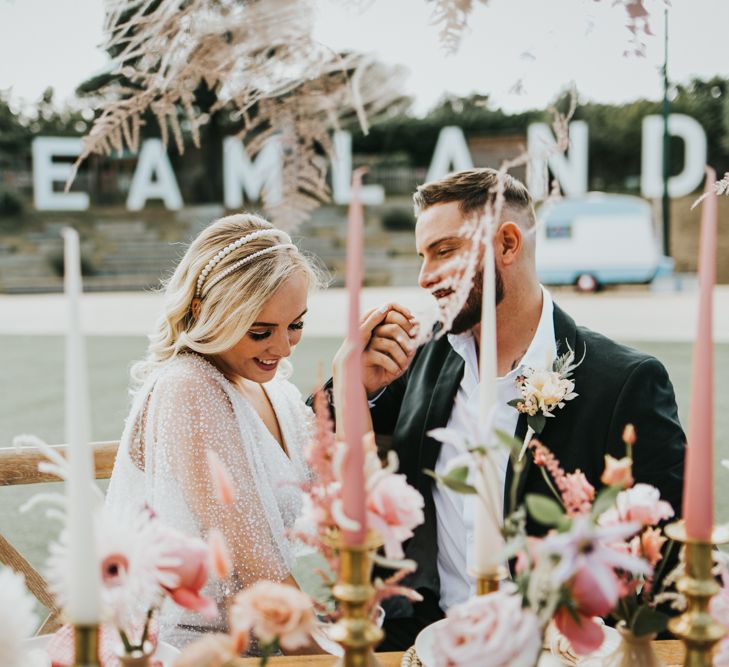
(153, 160)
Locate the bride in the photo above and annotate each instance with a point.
(214, 380)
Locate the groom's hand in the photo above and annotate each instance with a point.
(389, 347)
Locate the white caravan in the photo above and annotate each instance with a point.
(596, 240)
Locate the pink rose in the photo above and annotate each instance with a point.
(618, 472)
(191, 571)
(394, 508)
(489, 630)
(642, 503)
(274, 612)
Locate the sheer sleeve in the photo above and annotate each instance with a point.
(191, 412)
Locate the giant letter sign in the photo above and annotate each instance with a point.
(451, 150)
(342, 174)
(240, 173)
(571, 172)
(694, 138)
(153, 160)
(46, 172)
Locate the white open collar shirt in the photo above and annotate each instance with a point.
(454, 512)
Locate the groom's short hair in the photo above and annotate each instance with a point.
(473, 189)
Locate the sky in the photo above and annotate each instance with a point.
(521, 53)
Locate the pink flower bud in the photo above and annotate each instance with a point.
(222, 483)
(219, 554)
(629, 435)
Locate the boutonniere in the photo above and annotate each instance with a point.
(543, 391)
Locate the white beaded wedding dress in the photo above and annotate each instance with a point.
(185, 407)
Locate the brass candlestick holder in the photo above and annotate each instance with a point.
(355, 632)
(86, 644)
(696, 627)
(489, 582)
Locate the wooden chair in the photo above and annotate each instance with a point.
(20, 466)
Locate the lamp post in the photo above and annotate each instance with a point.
(666, 207)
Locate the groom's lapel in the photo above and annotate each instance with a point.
(519, 434)
(565, 333)
(440, 407)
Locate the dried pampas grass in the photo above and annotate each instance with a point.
(258, 58)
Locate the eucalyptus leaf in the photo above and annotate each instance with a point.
(459, 474)
(605, 500)
(454, 482)
(545, 510)
(537, 422)
(648, 621)
(508, 440)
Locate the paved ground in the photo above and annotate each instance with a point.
(629, 314)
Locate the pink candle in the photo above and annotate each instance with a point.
(698, 490)
(353, 492)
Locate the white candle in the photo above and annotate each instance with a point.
(487, 538)
(84, 575)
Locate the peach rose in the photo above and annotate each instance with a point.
(648, 545)
(618, 472)
(394, 509)
(489, 630)
(272, 612)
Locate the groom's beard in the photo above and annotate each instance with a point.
(470, 314)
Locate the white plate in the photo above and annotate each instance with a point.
(426, 638)
(165, 652)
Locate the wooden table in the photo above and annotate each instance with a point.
(669, 651)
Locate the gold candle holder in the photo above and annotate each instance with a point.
(696, 627)
(489, 582)
(355, 632)
(86, 646)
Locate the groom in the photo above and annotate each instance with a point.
(412, 392)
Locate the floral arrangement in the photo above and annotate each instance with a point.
(142, 562)
(394, 508)
(276, 615)
(602, 556)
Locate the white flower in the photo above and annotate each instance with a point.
(545, 390)
(17, 619)
(131, 555)
(542, 390)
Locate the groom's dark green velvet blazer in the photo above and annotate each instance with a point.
(616, 385)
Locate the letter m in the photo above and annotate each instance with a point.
(241, 173)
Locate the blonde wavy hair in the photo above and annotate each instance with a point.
(230, 306)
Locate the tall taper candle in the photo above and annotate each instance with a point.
(698, 494)
(84, 574)
(487, 537)
(353, 490)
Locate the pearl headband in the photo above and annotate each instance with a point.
(248, 258)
